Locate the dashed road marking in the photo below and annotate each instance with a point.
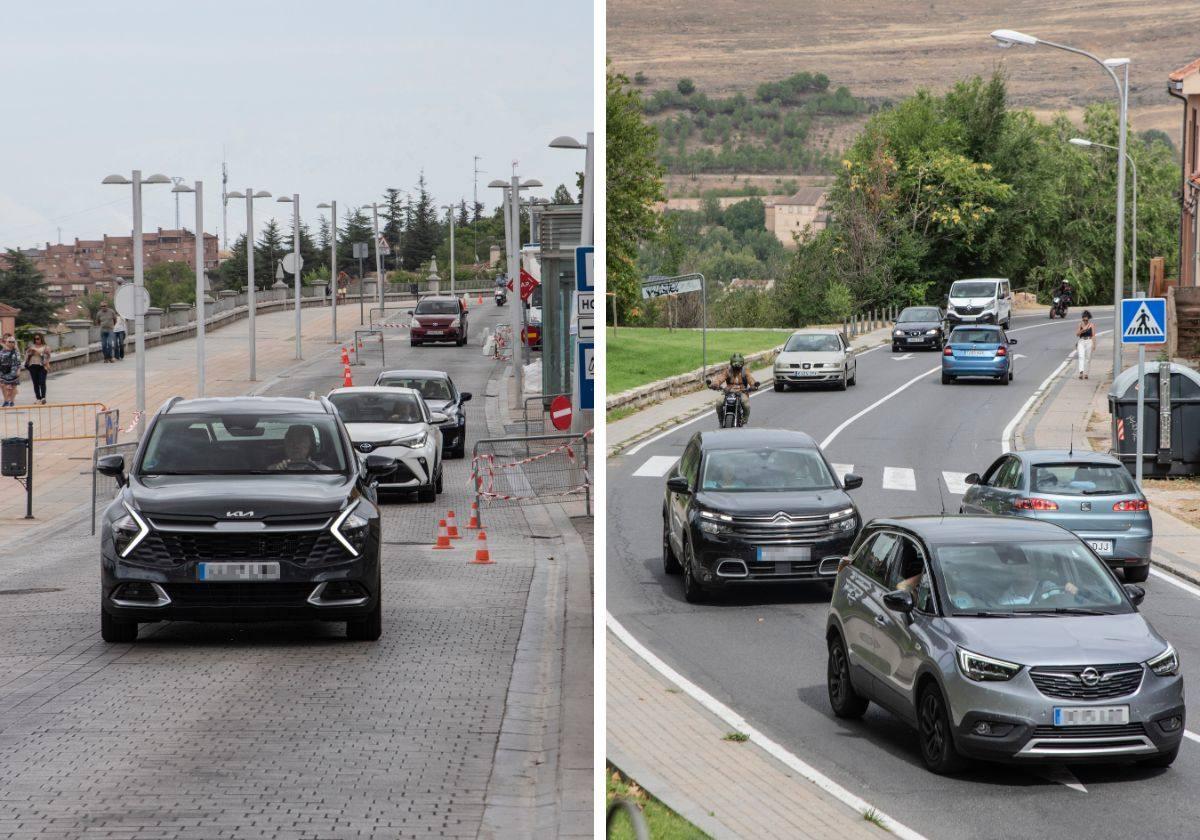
(899, 478)
(956, 482)
(656, 466)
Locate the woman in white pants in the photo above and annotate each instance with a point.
(1085, 342)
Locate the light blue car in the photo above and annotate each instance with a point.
(978, 351)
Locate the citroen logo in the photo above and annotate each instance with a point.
(238, 514)
(1089, 676)
(781, 517)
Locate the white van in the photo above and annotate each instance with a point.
(985, 300)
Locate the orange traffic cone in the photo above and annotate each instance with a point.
(347, 379)
(345, 355)
(482, 557)
(480, 301)
(473, 522)
(360, 344)
(452, 526)
(443, 538)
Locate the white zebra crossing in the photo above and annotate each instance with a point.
(841, 469)
(656, 466)
(956, 482)
(899, 478)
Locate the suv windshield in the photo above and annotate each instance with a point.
(1027, 577)
(378, 408)
(765, 469)
(969, 336)
(243, 444)
(972, 289)
(1082, 480)
(437, 306)
(812, 344)
(431, 389)
(914, 313)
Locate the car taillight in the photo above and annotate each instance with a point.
(1034, 504)
(1001, 351)
(949, 351)
(1132, 505)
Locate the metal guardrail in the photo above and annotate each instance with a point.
(529, 470)
(53, 421)
(104, 487)
(528, 421)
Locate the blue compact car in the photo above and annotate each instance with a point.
(978, 351)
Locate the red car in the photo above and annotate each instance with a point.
(439, 318)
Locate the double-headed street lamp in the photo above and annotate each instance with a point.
(251, 290)
(294, 200)
(1080, 141)
(331, 206)
(449, 208)
(512, 240)
(1010, 38)
(139, 281)
(180, 188)
(589, 166)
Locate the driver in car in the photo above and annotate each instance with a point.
(299, 444)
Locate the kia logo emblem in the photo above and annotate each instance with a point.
(238, 514)
(1090, 677)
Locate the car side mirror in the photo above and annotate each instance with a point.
(114, 467)
(411, 311)
(465, 396)
(1136, 593)
(851, 481)
(1012, 341)
(900, 601)
(438, 417)
(678, 484)
(378, 465)
(972, 478)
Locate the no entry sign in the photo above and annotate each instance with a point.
(560, 413)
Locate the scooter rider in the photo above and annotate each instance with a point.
(738, 380)
(1064, 292)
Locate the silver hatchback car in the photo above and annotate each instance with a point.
(1000, 639)
(1088, 493)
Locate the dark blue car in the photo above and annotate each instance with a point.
(978, 351)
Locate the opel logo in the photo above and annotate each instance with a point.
(238, 514)
(1089, 676)
(365, 447)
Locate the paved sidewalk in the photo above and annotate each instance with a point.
(61, 482)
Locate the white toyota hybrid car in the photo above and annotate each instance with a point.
(395, 423)
(815, 356)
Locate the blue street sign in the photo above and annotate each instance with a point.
(584, 282)
(1143, 320)
(585, 372)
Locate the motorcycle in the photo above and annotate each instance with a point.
(1058, 307)
(501, 297)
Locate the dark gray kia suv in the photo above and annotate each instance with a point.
(242, 509)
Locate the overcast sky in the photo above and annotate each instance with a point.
(329, 99)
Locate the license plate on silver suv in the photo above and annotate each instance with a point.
(1091, 715)
(238, 571)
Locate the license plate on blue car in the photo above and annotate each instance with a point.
(978, 353)
(1091, 715)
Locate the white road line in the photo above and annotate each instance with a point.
(842, 469)
(740, 724)
(656, 466)
(899, 478)
(1061, 774)
(902, 357)
(828, 440)
(956, 482)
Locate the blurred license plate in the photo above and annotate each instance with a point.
(784, 554)
(1091, 716)
(913, 338)
(978, 353)
(436, 332)
(1101, 546)
(239, 571)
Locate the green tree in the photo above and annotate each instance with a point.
(91, 303)
(424, 232)
(639, 79)
(170, 282)
(394, 215)
(310, 255)
(357, 229)
(268, 251)
(685, 86)
(562, 195)
(22, 286)
(634, 186)
(745, 216)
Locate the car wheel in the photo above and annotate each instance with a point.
(844, 381)
(1162, 759)
(117, 632)
(670, 561)
(947, 379)
(780, 387)
(427, 494)
(895, 348)
(1137, 574)
(845, 700)
(367, 629)
(439, 480)
(854, 376)
(1006, 378)
(414, 343)
(693, 593)
(937, 741)
(460, 451)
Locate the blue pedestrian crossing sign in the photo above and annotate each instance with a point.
(1144, 321)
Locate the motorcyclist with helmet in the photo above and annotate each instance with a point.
(1063, 295)
(738, 380)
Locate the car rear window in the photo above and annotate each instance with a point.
(437, 306)
(812, 344)
(961, 336)
(1082, 480)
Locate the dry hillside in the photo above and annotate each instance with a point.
(891, 47)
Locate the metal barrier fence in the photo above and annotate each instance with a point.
(54, 421)
(103, 487)
(509, 472)
(536, 425)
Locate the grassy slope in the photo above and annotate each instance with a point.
(664, 824)
(636, 356)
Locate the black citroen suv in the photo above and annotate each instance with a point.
(242, 509)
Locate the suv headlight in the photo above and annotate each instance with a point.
(1166, 664)
(350, 529)
(981, 668)
(898, 332)
(412, 441)
(414, 323)
(931, 332)
(129, 531)
(454, 322)
(712, 522)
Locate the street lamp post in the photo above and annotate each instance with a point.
(378, 258)
(294, 200)
(512, 238)
(1010, 38)
(251, 290)
(1079, 141)
(449, 208)
(333, 270)
(199, 191)
(589, 195)
(139, 280)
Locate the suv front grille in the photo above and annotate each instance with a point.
(1099, 731)
(1115, 681)
(302, 548)
(238, 594)
(765, 530)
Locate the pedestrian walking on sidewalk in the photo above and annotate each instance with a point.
(107, 319)
(119, 339)
(1085, 342)
(37, 362)
(10, 370)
